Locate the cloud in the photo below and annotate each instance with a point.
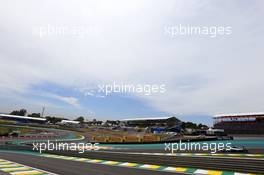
(69, 100)
(202, 75)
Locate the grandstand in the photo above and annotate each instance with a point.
(150, 122)
(243, 123)
(22, 119)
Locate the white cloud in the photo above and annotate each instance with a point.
(69, 100)
(202, 75)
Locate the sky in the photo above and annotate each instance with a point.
(58, 54)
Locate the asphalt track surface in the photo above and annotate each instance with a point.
(215, 163)
(60, 166)
(66, 167)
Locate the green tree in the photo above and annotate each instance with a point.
(37, 115)
(54, 120)
(193, 125)
(21, 112)
(80, 119)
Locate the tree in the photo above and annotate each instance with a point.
(193, 125)
(37, 115)
(80, 119)
(202, 126)
(54, 120)
(21, 112)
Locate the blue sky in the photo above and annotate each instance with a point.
(57, 57)
(115, 105)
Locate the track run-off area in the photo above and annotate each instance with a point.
(13, 168)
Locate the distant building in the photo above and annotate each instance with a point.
(22, 119)
(246, 123)
(152, 122)
(69, 122)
